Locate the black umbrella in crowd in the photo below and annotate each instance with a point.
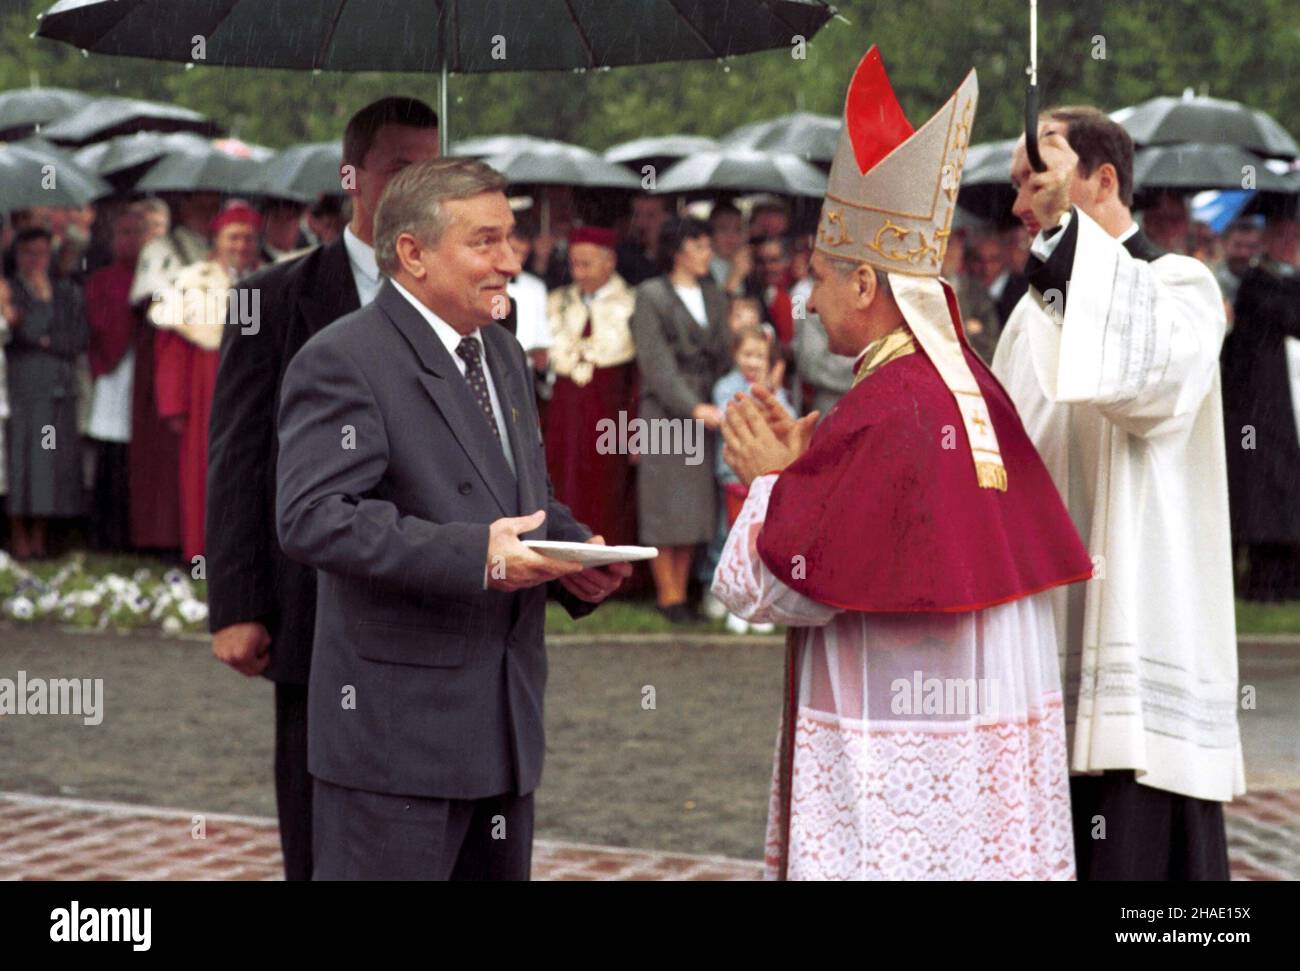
(199, 169)
(302, 173)
(108, 117)
(486, 146)
(130, 151)
(743, 170)
(814, 138)
(30, 177)
(444, 36)
(1209, 121)
(24, 111)
(544, 162)
(659, 151)
(1196, 167)
(986, 182)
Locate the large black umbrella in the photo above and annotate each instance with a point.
(1210, 121)
(1195, 167)
(743, 170)
(302, 172)
(108, 117)
(446, 36)
(25, 110)
(32, 177)
(814, 138)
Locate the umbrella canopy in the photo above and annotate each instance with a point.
(31, 177)
(559, 163)
(25, 110)
(659, 147)
(1212, 121)
(128, 151)
(201, 169)
(486, 146)
(743, 170)
(108, 117)
(414, 35)
(1194, 167)
(813, 138)
(302, 172)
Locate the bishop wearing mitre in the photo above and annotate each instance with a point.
(910, 542)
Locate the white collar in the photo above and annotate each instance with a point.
(601, 291)
(1128, 233)
(361, 255)
(448, 334)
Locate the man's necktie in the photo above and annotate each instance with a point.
(469, 350)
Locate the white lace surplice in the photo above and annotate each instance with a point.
(885, 786)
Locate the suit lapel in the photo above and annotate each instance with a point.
(442, 379)
(686, 324)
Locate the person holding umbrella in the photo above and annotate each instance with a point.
(262, 606)
(1112, 359)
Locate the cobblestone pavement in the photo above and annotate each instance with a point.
(44, 838)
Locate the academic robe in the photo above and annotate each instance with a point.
(153, 456)
(595, 379)
(186, 359)
(923, 734)
(1119, 389)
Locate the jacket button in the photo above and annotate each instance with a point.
(465, 488)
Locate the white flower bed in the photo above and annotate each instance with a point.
(101, 602)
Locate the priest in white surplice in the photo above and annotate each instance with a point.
(911, 543)
(1112, 359)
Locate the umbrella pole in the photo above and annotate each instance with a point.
(442, 112)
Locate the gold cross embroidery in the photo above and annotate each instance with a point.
(979, 422)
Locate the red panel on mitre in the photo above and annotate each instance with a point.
(874, 118)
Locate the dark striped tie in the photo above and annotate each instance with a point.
(469, 351)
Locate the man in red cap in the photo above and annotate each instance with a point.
(191, 316)
(595, 380)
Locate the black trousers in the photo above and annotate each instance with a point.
(109, 523)
(374, 836)
(1149, 834)
(293, 788)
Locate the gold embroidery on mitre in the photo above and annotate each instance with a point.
(835, 218)
(898, 234)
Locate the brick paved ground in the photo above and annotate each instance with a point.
(44, 838)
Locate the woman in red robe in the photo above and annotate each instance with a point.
(595, 379)
(191, 320)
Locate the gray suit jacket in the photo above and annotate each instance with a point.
(422, 682)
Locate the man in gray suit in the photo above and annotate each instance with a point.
(410, 452)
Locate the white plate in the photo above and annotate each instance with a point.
(589, 554)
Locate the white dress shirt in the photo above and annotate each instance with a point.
(365, 271)
(451, 339)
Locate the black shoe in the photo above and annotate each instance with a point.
(676, 613)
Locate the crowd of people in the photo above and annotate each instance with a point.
(112, 318)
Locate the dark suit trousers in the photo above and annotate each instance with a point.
(1150, 834)
(292, 781)
(362, 835)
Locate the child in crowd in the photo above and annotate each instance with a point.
(754, 354)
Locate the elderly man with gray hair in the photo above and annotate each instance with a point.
(411, 468)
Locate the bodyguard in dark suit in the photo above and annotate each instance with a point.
(262, 604)
(411, 464)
